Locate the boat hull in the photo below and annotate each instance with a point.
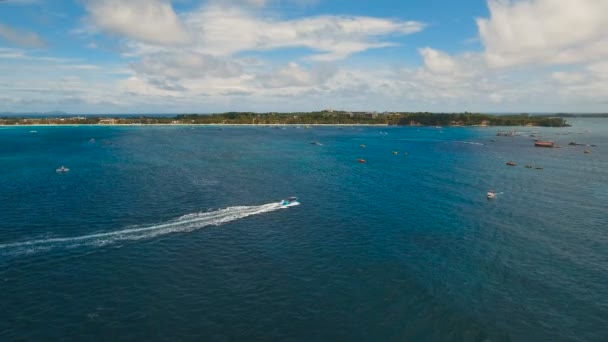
(289, 205)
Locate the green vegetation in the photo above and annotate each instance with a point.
(473, 119)
(306, 118)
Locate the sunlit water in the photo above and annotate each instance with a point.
(175, 232)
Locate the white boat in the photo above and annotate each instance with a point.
(33, 131)
(290, 202)
(63, 169)
(491, 195)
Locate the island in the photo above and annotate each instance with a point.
(326, 117)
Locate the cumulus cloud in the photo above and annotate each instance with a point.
(222, 30)
(186, 65)
(151, 21)
(544, 32)
(21, 37)
(263, 3)
(293, 75)
(219, 32)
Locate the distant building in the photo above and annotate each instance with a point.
(372, 115)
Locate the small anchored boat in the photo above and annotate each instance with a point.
(491, 194)
(511, 164)
(316, 143)
(544, 144)
(63, 169)
(362, 146)
(362, 161)
(290, 202)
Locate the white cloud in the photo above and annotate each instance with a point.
(185, 65)
(293, 75)
(263, 3)
(151, 21)
(21, 37)
(223, 30)
(219, 32)
(568, 77)
(545, 32)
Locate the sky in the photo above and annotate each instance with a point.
(203, 56)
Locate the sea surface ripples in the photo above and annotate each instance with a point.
(403, 247)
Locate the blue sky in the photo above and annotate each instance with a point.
(161, 56)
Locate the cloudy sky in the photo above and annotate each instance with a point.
(162, 56)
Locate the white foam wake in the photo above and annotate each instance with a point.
(186, 223)
(469, 142)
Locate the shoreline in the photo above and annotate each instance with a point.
(257, 125)
(193, 125)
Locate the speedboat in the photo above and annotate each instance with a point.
(63, 169)
(491, 194)
(316, 143)
(290, 202)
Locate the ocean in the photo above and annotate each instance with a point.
(174, 233)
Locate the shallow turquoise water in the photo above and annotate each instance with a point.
(166, 232)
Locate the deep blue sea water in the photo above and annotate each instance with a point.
(172, 233)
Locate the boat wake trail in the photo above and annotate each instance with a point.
(183, 224)
(469, 142)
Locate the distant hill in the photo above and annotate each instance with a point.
(52, 113)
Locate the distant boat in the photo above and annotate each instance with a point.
(528, 166)
(362, 146)
(544, 144)
(316, 143)
(362, 161)
(395, 152)
(33, 131)
(491, 194)
(587, 151)
(511, 164)
(63, 169)
(290, 202)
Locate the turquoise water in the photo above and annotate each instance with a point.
(173, 232)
